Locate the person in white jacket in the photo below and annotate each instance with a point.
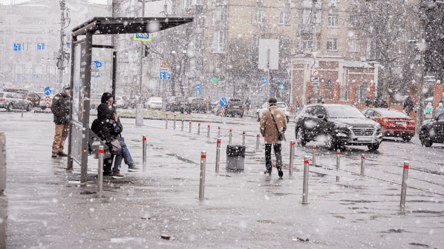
(439, 111)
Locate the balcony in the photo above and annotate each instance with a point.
(308, 29)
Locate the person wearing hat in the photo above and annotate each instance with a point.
(273, 122)
(60, 109)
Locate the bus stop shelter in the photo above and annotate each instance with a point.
(80, 81)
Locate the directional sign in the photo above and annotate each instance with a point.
(198, 79)
(197, 86)
(17, 46)
(197, 91)
(97, 64)
(40, 46)
(223, 102)
(281, 87)
(314, 53)
(47, 99)
(35, 76)
(314, 72)
(165, 76)
(142, 37)
(264, 80)
(215, 80)
(47, 91)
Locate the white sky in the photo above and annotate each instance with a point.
(8, 2)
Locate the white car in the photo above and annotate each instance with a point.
(43, 101)
(119, 102)
(154, 103)
(280, 105)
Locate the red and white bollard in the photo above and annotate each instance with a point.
(292, 143)
(305, 184)
(218, 131)
(362, 165)
(144, 153)
(182, 125)
(100, 174)
(174, 121)
(189, 128)
(405, 174)
(338, 163)
(313, 160)
(208, 132)
(257, 142)
(203, 160)
(198, 129)
(243, 138)
(230, 136)
(218, 154)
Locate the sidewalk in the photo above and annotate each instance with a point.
(48, 209)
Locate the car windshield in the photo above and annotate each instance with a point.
(156, 99)
(343, 111)
(391, 113)
(281, 105)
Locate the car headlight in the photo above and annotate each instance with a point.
(343, 126)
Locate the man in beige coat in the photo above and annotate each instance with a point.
(270, 134)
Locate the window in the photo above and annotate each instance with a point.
(259, 16)
(307, 44)
(354, 21)
(284, 17)
(332, 21)
(332, 44)
(354, 45)
(361, 92)
(219, 42)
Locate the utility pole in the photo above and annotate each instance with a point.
(139, 106)
(61, 58)
(315, 43)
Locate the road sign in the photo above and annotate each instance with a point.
(165, 76)
(314, 72)
(197, 91)
(223, 102)
(272, 94)
(281, 87)
(165, 65)
(197, 86)
(97, 64)
(142, 37)
(215, 80)
(314, 53)
(314, 79)
(40, 46)
(198, 79)
(35, 76)
(264, 80)
(47, 91)
(17, 46)
(47, 99)
(68, 45)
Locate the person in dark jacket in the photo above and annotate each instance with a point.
(408, 106)
(60, 109)
(368, 102)
(384, 104)
(109, 130)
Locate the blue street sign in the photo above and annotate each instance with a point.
(40, 46)
(197, 86)
(68, 45)
(165, 76)
(47, 91)
(272, 94)
(223, 102)
(264, 80)
(198, 78)
(168, 76)
(97, 64)
(17, 46)
(197, 91)
(35, 76)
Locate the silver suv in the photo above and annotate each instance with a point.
(11, 100)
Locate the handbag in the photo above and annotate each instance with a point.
(281, 135)
(115, 145)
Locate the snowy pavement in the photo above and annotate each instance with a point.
(47, 208)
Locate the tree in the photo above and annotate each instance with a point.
(433, 20)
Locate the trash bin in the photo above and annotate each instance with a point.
(235, 157)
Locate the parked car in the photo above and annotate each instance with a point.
(43, 101)
(280, 105)
(133, 101)
(432, 131)
(34, 98)
(184, 106)
(120, 102)
(337, 125)
(393, 123)
(174, 104)
(194, 103)
(204, 106)
(154, 103)
(234, 107)
(215, 107)
(13, 100)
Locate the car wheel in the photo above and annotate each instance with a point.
(329, 143)
(373, 147)
(426, 142)
(257, 117)
(10, 107)
(406, 139)
(43, 107)
(242, 115)
(300, 137)
(29, 107)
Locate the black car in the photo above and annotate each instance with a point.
(336, 125)
(174, 104)
(432, 131)
(184, 106)
(195, 103)
(234, 107)
(203, 106)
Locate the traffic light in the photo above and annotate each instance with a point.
(147, 50)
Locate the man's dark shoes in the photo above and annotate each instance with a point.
(55, 155)
(116, 175)
(281, 174)
(62, 154)
(132, 167)
(268, 171)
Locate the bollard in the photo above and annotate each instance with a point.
(208, 132)
(229, 137)
(198, 129)
(189, 128)
(218, 131)
(203, 159)
(362, 165)
(243, 138)
(100, 173)
(166, 121)
(405, 174)
(305, 184)
(292, 143)
(338, 163)
(182, 125)
(144, 153)
(314, 156)
(22, 112)
(257, 141)
(174, 121)
(217, 155)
